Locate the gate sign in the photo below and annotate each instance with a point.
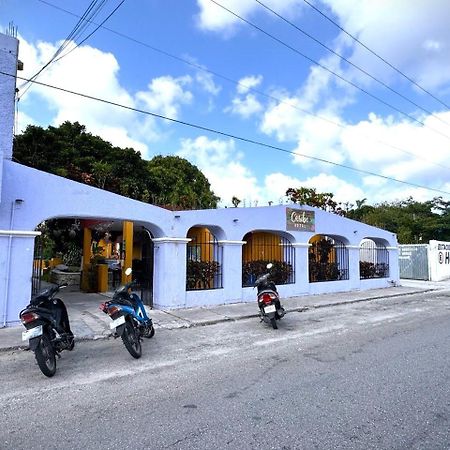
(444, 253)
(300, 220)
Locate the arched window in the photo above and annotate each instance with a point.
(262, 248)
(328, 259)
(203, 260)
(373, 260)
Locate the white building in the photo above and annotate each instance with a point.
(229, 242)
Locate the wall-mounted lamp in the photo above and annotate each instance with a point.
(18, 201)
(355, 231)
(177, 217)
(235, 220)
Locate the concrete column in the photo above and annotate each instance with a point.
(353, 267)
(301, 267)
(394, 268)
(128, 248)
(9, 48)
(169, 280)
(87, 239)
(232, 270)
(16, 258)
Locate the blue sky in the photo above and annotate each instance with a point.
(227, 75)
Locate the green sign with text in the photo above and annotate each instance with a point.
(300, 220)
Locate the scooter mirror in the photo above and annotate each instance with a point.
(269, 266)
(128, 271)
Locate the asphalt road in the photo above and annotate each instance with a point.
(372, 375)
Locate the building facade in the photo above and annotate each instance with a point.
(200, 257)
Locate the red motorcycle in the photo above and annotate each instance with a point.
(270, 309)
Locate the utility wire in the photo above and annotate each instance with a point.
(85, 20)
(89, 35)
(226, 134)
(376, 54)
(81, 23)
(251, 89)
(271, 36)
(343, 58)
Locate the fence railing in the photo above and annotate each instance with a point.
(373, 261)
(328, 260)
(204, 263)
(268, 248)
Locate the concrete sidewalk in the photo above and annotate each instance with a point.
(89, 323)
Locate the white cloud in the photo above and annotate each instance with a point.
(99, 77)
(165, 95)
(221, 163)
(413, 35)
(206, 80)
(277, 184)
(246, 104)
(247, 83)
(214, 18)
(388, 146)
(246, 107)
(23, 120)
(398, 149)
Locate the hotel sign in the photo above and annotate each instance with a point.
(300, 220)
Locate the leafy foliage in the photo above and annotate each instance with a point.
(321, 264)
(200, 274)
(310, 196)
(370, 270)
(413, 222)
(70, 151)
(280, 273)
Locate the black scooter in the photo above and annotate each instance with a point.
(270, 309)
(47, 328)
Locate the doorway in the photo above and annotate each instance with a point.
(143, 267)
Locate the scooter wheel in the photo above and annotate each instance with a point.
(273, 322)
(45, 357)
(131, 340)
(150, 333)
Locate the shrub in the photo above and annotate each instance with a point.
(281, 272)
(201, 274)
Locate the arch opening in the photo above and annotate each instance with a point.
(204, 260)
(373, 259)
(262, 248)
(328, 259)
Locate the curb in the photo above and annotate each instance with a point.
(188, 324)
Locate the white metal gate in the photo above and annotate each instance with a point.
(413, 261)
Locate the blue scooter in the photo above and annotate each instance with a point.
(129, 318)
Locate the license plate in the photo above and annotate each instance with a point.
(32, 333)
(269, 309)
(115, 323)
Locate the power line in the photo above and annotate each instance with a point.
(91, 12)
(238, 83)
(80, 24)
(343, 58)
(90, 34)
(226, 134)
(271, 36)
(376, 54)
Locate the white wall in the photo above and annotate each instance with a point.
(43, 196)
(439, 260)
(9, 48)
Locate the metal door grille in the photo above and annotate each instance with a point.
(37, 266)
(413, 262)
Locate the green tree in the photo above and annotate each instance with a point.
(70, 151)
(177, 183)
(322, 200)
(413, 222)
(235, 201)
